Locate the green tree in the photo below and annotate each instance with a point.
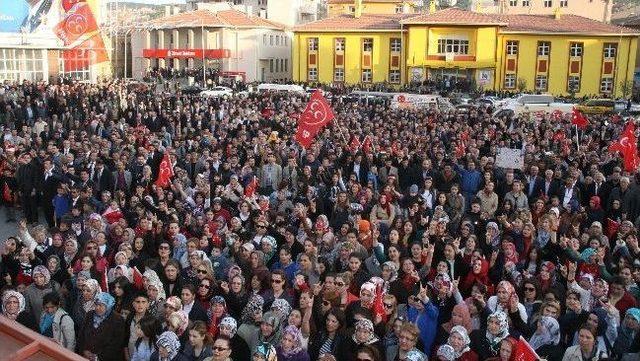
(626, 88)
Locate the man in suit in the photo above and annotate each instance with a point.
(121, 178)
(270, 175)
(534, 183)
(598, 188)
(551, 186)
(189, 305)
(50, 181)
(27, 176)
(102, 177)
(569, 193)
(387, 170)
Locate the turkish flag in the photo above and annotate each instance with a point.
(367, 144)
(611, 228)
(77, 22)
(250, 189)
(68, 4)
(355, 144)
(627, 146)
(89, 52)
(166, 171)
(579, 119)
(524, 352)
(138, 278)
(315, 116)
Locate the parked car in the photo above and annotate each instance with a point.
(597, 106)
(191, 90)
(218, 91)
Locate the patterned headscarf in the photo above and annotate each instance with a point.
(415, 355)
(494, 340)
(42, 270)
(587, 253)
(394, 270)
(184, 321)
(463, 310)
(103, 298)
(255, 304)
(266, 350)
(367, 325)
(231, 323)
(282, 308)
(157, 284)
(548, 334)
(174, 302)
(295, 333)
(170, 342)
(11, 293)
(462, 332)
(446, 352)
(634, 312)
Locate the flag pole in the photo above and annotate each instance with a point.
(577, 137)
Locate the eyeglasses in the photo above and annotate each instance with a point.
(276, 281)
(387, 305)
(218, 348)
(340, 284)
(202, 271)
(205, 286)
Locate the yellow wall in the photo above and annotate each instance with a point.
(352, 54)
(559, 61)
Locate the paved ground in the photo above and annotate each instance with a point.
(6, 229)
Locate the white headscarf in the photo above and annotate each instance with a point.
(548, 334)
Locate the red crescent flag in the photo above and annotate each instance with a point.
(524, 352)
(68, 4)
(355, 144)
(250, 189)
(89, 52)
(77, 22)
(166, 171)
(315, 116)
(579, 119)
(628, 147)
(367, 144)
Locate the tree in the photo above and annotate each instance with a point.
(626, 88)
(522, 84)
(464, 4)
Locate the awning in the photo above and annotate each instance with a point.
(187, 53)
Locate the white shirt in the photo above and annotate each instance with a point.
(187, 308)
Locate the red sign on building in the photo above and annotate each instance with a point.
(186, 53)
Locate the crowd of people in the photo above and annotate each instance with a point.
(411, 245)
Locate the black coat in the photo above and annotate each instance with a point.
(107, 341)
(27, 177)
(198, 313)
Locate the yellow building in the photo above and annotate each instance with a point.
(558, 54)
(349, 7)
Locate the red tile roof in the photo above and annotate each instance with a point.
(347, 22)
(223, 19)
(454, 16)
(567, 23)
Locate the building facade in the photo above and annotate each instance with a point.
(559, 54)
(286, 12)
(599, 10)
(349, 7)
(228, 41)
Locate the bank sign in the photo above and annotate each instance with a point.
(187, 53)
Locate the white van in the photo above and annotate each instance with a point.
(288, 88)
(407, 100)
(534, 103)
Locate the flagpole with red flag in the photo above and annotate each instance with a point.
(315, 116)
(524, 352)
(166, 171)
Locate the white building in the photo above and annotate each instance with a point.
(229, 40)
(287, 12)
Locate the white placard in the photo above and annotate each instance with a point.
(510, 158)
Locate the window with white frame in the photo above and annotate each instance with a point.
(452, 45)
(609, 50)
(606, 85)
(396, 45)
(399, 9)
(22, 64)
(367, 75)
(277, 40)
(312, 74)
(541, 82)
(548, 3)
(512, 48)
(271, 40)
(564, 3)
(525, 3)
(510, 81)
(394, 76)
(339, 44)
(544, 47)
(338, 74)
(576, 50)
(367, 44)
(573, 83)
(313, 44)
(513, 2)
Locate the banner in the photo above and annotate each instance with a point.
(510, 158)
(186, 53)
(315, 116)
(77, 22)
(89, 52)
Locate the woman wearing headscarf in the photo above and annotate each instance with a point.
(290, 347)
(216, 312)
(460, 343)
(604, 326)
(506, 300)
(595, 213)
(281, 308)
(102, 333)
(392, 284)
(545, 341)
(41, 285)
(251, 319)
(13, 307)
(486, 341)
(269, 331)
(363, 335)
(460, 316)
(168, 348)
(86, 302)
(627, 332)
(264, 352)
(57, 270)
(228, 328)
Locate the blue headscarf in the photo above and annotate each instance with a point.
(587, 253)
(634, 312)
(106, 299)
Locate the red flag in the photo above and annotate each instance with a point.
(378, 305)
(68, 4)
(627, 146)
(77, 22)
(316, 115)
(166, 171)
(367, 144)
(579, 119)
(524, 352)
(395, 148)
(89, 52)
(611, 228)
(138, 278)
(460, 149)
(250, 189)
(355, 144)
